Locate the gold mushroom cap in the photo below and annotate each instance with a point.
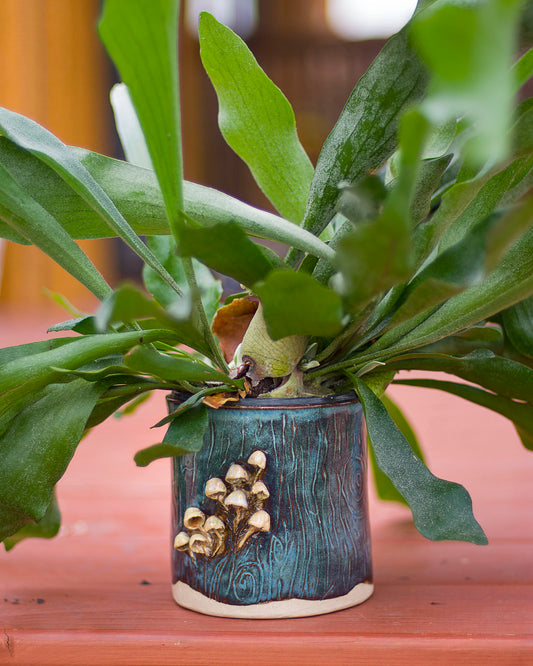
(257, 459)
(237, 476)
(259, 521)
(216, 529)
(214, 524)
(181, 542)
(215, 489)
(200, 544)
(193, 518)
(260, 491)
(237, 499)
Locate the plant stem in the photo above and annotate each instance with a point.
(345, 339)
(352, 364)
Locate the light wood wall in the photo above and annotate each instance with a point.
(54, 70)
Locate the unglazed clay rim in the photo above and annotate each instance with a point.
(186, 596)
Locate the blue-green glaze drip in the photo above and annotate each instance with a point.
(319, 543)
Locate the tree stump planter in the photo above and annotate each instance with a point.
(270, 518)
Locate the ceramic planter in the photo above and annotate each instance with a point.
(270, 518)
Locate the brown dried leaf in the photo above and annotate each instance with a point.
(247, 388)
(231, 322)
(219, 399)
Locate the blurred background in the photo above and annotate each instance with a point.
(54, 70)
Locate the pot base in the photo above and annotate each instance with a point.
(186, 596)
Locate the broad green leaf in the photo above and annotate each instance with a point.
(129, 304)
(429, 176)
(522, 133)
(132, 405)
(378, 255)
(164, 248)
(412, 136)
(467, 202)
(362, 201)
(128, 127)
(118, 374)
(384, 487)
(187, 403)
(439, 140)
(500, 189)
(172, 368)
(510, 282)
(37, 447)
(256, 119)
(8, 354)
(481, 333)
(523, 69)
(322, 270)
(133, 190)
(136, 194)
(469, 48)
(441, 509)
(191, 402)
(46, 528)
(518, 325)
(495, 373)
(525, 437)
(30, 136)
(28, 218)
(142, 40)
(374, 257)
(465, 264)
(365, 134)
(64, 303)
(226, 249)
(507, 229)
(452, 204)
(85, 325)
(116, 397)
(35, 371)
(461, 344)
(521, 414)
(184, 435)
(295, 304)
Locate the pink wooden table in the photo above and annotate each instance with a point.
(100, 592)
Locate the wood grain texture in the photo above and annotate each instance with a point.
(319, 543)
(100, 593)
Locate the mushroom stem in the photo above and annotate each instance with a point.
(258, 522)
(237, 501)
(246, 536)
(216, 530)
(218, 545)
(239, 515)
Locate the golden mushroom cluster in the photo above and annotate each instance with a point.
(239, 511)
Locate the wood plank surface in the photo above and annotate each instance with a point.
(100, 592)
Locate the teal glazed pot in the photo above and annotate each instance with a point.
(270, 517)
